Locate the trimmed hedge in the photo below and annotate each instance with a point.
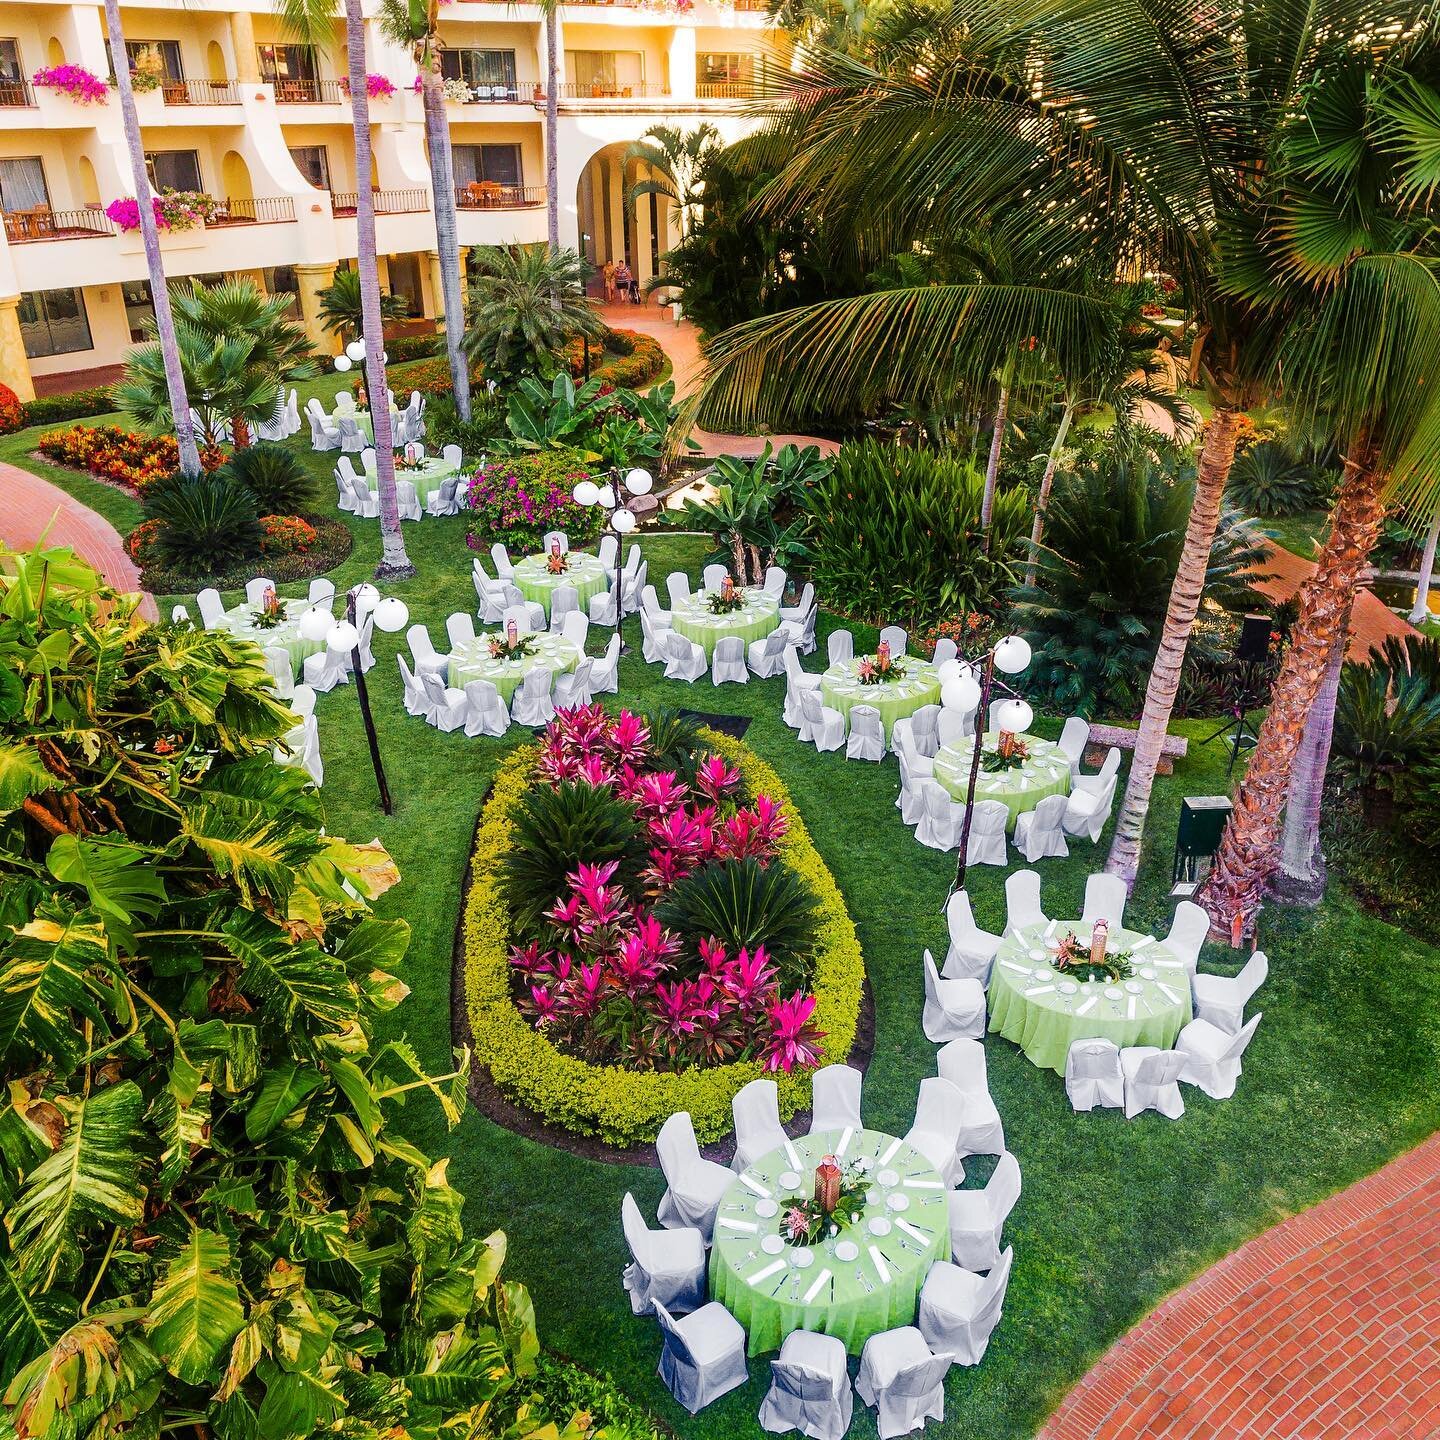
(627, 1107)
(78, 405)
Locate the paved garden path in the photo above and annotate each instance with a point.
(31, 507)
(1323, 1328)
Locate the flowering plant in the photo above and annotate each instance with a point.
(147, 71)
(120, 456)
(377, 87)
(805, 1220)
(1073, 959)
(456, 90)
(173, 209)
(75, 81)
(12, 413)
(286, 535)
(502, 647)
(517, 499)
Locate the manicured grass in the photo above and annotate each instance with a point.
(1300, 534)
(1343, 1073)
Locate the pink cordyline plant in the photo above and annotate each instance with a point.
(793, 1039)
(715, 777)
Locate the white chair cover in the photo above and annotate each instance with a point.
(1105, 897)
(553, 536)
(945, 649)
(407, 500)
(1188, 933)
(573, 689)
(451, 455)
(940, 821)
(910, 801)
(444, 708)
(775, 579)
(801, 632)
(665, 1265)
(802, 608)
(352, 441)
(255, 589)
(576, 629)
(608, 551)
(1088, 811)
(684, 659)
(427, 658)
(364, 502)
(322, 593)
(460, 629)
(1093, 1076)
(903, 1380)
(323, 435)
(840, 647)
(605, 672)
(835, 1099)
(500, 558)
(867, 734)
(1102, 777)
(809, 1388)
(602, 607)
(1074, 737)
(1212, 1056)
(703, 1355)
(695, 1185)
(282, 675)
(954, 725)
(713, 577)
(767, 657)
(179, 615)
(959, 1311)
(1022, 900)
(925, 727)
(972, 950)
(1222, 1000)
(564, 600)
(485, 712)
(756, 1108)
(414, 692)
(532, 704)
(492, 594)
(978, 1216)
(728, 661)
(1152, 1080)
(796, 681)
(1040, 832)
(895, 637)
(936, 1131)
(986, 844)
(962, 1063)
(677, 584)
(823, 727)
(211, 607)
(520, 614)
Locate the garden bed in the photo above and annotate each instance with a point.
(624, 1105)
(332, 546)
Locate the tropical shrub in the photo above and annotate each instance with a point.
(281, 482)
(475, 435)
(206, 524)
(627, 1102)
(894, 535)
(517, 499)
(120, 456)
(213, 1224)
(340, 313)
(52, 409)
(624, 358)
(12, 415)
(286, 535)
(1271, 479)
(292, 547)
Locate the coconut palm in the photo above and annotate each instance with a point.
(676, 160)
(178, 403)
(341, 306)
(550, 15)
(416, 23)
(1420, 611)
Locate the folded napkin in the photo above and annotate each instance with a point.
(845, 1140)
(912, 1184)
(1011, 965)
(1051, 928)
(766, 1273)
(889, 1155)
(910, 1230)
(1040, 990)
(1168, 993)
(1168, 964)
(819, 1285)
(747, 1225)
(1141, 944)
(1088, 1006)
(792, 1157)
(1130, 1009)
(880, 1267)
(755, 1185)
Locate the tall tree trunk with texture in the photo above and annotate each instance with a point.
(1421, 610)
(1249, 849)
(1047, 482)
(150, 236)
(447, 234)
(992, 465)
(550, 10)
(1216, 458)
(394, 562)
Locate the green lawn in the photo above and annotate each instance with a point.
(1343, 1073)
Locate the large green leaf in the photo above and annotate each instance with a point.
(30, 1321)
(45, 989)
(282, 1091)
(118, 876)
(22, 774)
(289, 978)
(195, 1310)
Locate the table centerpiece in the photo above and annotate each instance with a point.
(511, 645)
(557, 562)
(271, 613)
(837, 1202)
(726, 600)
(880, 670)
(1074, 960)
(1010, 750)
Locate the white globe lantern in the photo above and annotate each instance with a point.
(949, 670)
(607, 495)
(315, 624)
(961, 694)
(1012, 654)
(586, 493)
(391, 615)
(356, 350)
(623, 521)
(367, 597)
(1014, 716)
(342, 363)
(343, 638)
(638, 482)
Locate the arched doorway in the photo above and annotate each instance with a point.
(612, 228)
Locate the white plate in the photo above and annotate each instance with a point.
(1037, 954)
(766, 1208)
(874, 1197)
(878, 1225)
(1147, 972)
(1113, 992)
(1134, 986)
(847, 1250)
(772, 1244)
(897, 1202)
(1068, 987)
(1041, 972)
(888, 1178)
(802, 1257)
(788, 1179)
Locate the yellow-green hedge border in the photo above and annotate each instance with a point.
(627, 1107)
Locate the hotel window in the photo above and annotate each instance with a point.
(313, 163)
(168, 52)
(732, 72)
(174, 169)
(53, 322)
(280, 281)
(606, 72)
(498, 164)
(481, 69)
(291, 69)
(22, 185)
(12, 76)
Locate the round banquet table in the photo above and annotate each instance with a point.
(852, 1299)
(240, 622)
(586, 574)
(427, 478)
(1021, 788)
(363, 419)
(693, 618)
(472, 661)
(894, 699)
(1030, 1008)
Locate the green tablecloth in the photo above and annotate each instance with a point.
(1044, 1024)
(286, 636)
(472, 661)
(363, 419)
(1046, 772)
(431, 475)
(895, 699)
(586, 574)
(857, 1298)
(693, 619)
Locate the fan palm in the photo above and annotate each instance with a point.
(341, 308)
(677, 161)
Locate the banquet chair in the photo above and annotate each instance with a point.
(954, 725)
(1212, 1055)
(945, 649)
(344, 495)
(1189, 931)
(322, 593)
(775, 582)
(1022, 901)
(634, 558)
(605, 672)
(445, 706)
(460, 629)
(1102, 777)
(727, 664)
(407, 500)
(766, 657)
(978, 1216)
(952, 1007)
(304, 739)
(608, 551)
(564, 600)
(703, 1356)
(179, 615)
(444, 499)
(1087, 812)
(632, 586)
(427, 658)
(414, 692)
(677, 585)
(986, 844)
(684, 659)
(367, 460)
(552, 536)
(992, 716)
(573, 689)
(665, 1265)
(1040, 832)
(365, 502)
(959, 1311)
(1093, 1075)
(500, 558)
(493, 594)
(1221, 999)
(972, 950)
(902, 737)
(651, 634)
(485, 712)
(695, 1185)
(532, 705)
(925, 727)
(903, 1379)
(802, 607)
(211, 607)
(835, 1099)
(352, 439)
(452, 455)
(602, 606)
(292, 415)
(255, 589)
(1105, 897)
(896, 637)
(914, 770)
(521, 615)
(867, 734)
(345, 478)
(801, 632)
(713, 577)
(328, 668)
(820, 726)
(962, 1063)
(1073, 740)
(324, 435)
(935, 1132)
(939, 825)
(797, 681)
(1152, 1080)
(839, 647)
(282, 674)
(809, 1388)
(756, 1109)
(576, 629)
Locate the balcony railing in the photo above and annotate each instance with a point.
(486, 195)
(42, 223)
(310, 92)
(503, 94)
(602, 90)
(16, 94)
(263, 210)
(387, 202)
(725, 90)
(200, 92)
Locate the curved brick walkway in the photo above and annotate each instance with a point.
(1325, 1328)
(31, 508)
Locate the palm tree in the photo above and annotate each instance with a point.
(416, 23)
(341, 306)
(1420, 611)
(677, 161)
(550, 14)
(310, 21)
(179, 404)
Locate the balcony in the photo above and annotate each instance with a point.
(387, 202)
(487, 195)
(602, 90)
(200, 92)
(264, 210)
(16, 94)
(725, 90)
(310, 92)
(41, 223)
(521, 91)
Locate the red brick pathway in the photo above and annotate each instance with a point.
(1326, 1327)
(31, 507)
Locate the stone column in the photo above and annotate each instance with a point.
(312, 279)
(14, 363)
(242, 37)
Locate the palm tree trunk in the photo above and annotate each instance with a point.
(550, 9)
(1421, 609)
(992, 466)
(154, 264)
(394, 562)
(1047, 481)
(1213, 471)
(1249, 849)
(447, 238)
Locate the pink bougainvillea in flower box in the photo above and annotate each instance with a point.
(75, 81)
